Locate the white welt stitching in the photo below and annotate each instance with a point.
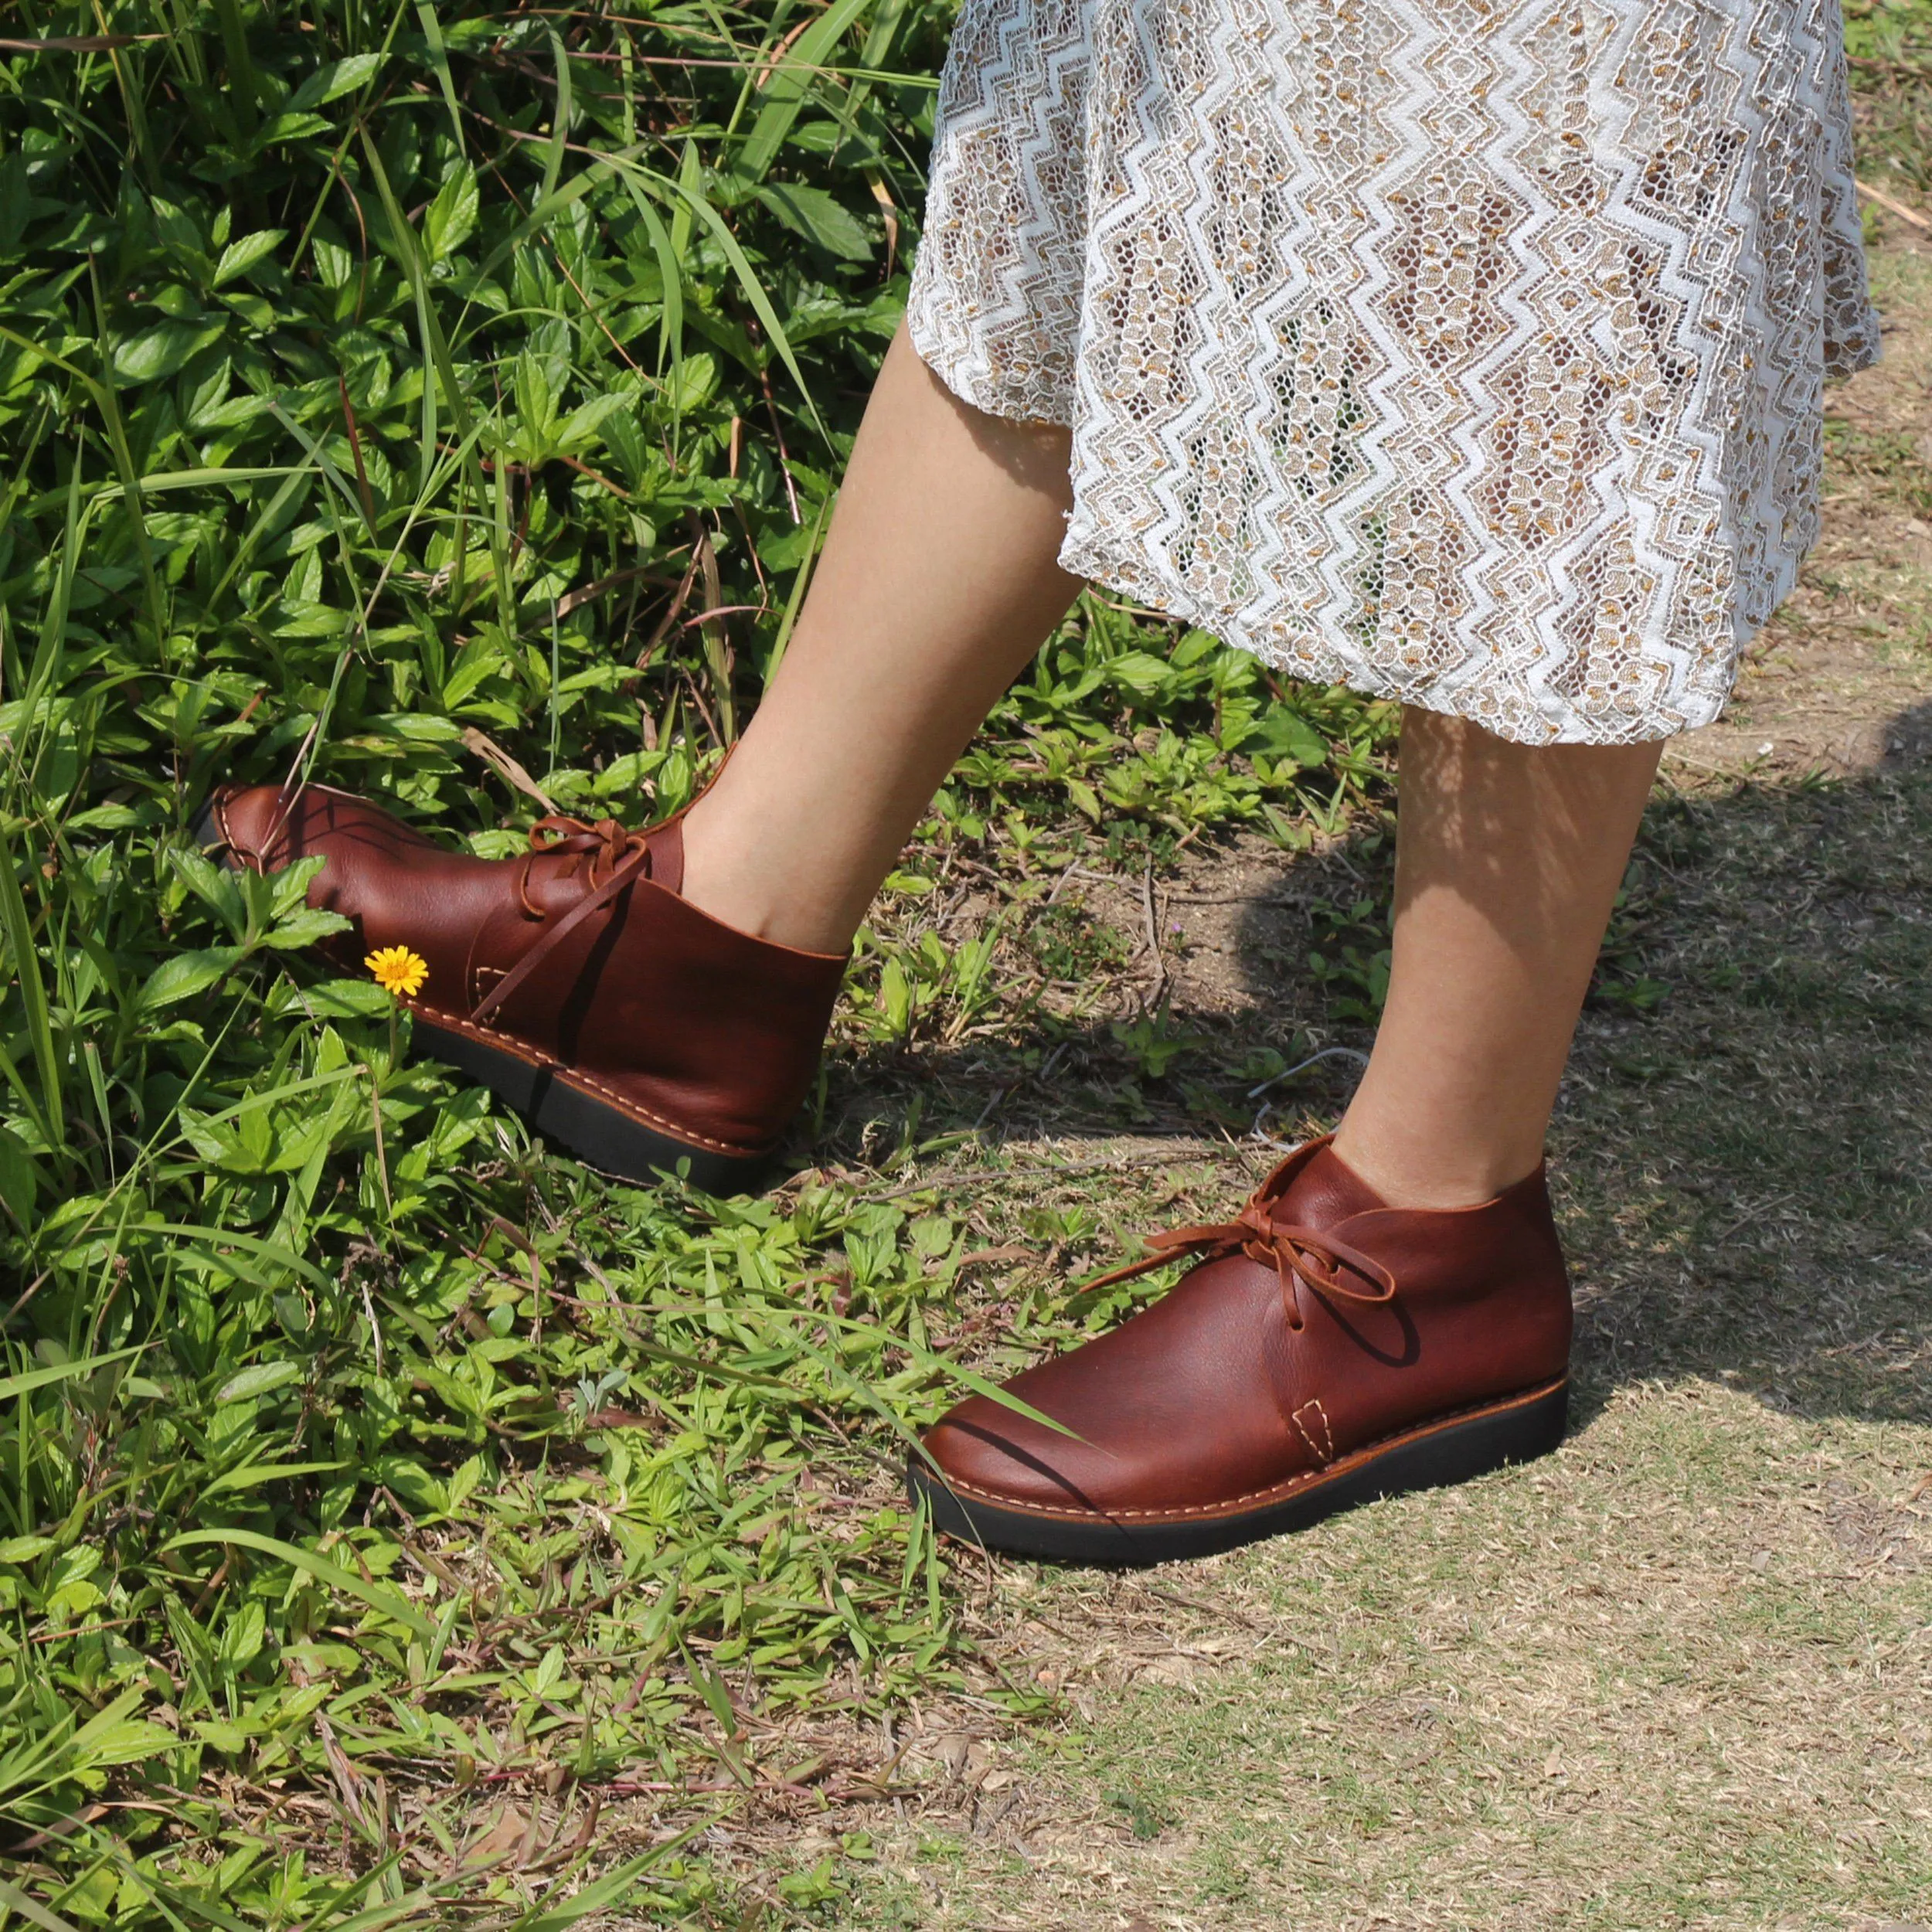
(1287, 1488)
(624, 1104)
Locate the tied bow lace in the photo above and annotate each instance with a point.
(1312, 1258)
(604, 843)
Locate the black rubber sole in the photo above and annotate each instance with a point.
(1429, 1456)
(603, 1136)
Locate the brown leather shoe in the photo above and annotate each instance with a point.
(573, 980)
(1326, 1349)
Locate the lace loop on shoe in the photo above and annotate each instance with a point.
(604, 842)
(604, 839)
(1314, 1257)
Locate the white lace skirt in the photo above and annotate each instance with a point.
(1468, 352)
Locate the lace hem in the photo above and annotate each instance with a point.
(1472, 357)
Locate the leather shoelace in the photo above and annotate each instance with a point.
(1312, 1257)
(604, 843)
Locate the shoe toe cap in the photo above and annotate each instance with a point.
(242, 821)
(983, 1448)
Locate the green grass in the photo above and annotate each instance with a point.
(375, 375)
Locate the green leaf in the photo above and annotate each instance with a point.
(124, 1743)
(820, 217)
(479, 662)
(254, 1474)
(303, 928)
(288, 127)
(187, 973)
(451, 218)
(332, 80)
(1140, 670)
(349, 999)
(535, 400)
(19, 1177)
(258, 1380)
(32, 1378)
(579, 429)
(17, 927)
(693, 382)
(217, 888)
(1284, 732)
(211, 1240)
(161, 351)
(238, 256)
(34, 1914)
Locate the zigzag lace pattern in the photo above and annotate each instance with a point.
(1471, 355)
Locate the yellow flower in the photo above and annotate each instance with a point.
(398, 970)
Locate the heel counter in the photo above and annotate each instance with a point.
(1545, 1273)
(722, 1030)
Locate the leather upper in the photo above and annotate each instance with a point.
(646, 999)
(1319, 1323)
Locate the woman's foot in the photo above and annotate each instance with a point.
(574, 981)
(1328, 1348)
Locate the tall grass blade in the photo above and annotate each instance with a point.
(18, 1902)
(785, 91)
(17, 927)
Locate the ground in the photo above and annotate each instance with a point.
(1680, 1674)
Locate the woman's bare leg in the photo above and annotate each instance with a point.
(1507, 860)
(938, 583)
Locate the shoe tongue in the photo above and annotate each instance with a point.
(666, 844)
(1324, 1191)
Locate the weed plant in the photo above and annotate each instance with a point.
(446, 401)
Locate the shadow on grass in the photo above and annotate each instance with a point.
(1747, 1172)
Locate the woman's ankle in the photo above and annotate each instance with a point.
(1453, 1165)
(754, 886)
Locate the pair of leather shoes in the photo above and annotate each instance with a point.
(1325, 1348)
